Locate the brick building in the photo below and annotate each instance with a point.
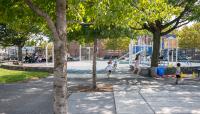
(74, 51)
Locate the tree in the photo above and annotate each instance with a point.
(189, 36)
(58, 29)
(117, 44)
(20, 21)
(10, 37)
(159, 17)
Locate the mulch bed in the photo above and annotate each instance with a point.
(100, 88)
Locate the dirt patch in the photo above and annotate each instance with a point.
(100, 88)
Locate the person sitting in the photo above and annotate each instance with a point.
(26, 59)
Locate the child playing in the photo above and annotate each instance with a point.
(109, 68)
(178, 73)
(137, 63)
(115, 65)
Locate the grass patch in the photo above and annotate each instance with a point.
(11, 76)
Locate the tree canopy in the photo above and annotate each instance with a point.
(189, 36)
(121, 44)
(159, 17)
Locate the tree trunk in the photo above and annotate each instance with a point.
(60, 62)
(60, 75)
(19, 53)
(156, 49)
(94, 63)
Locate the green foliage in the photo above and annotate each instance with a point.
(18, 17)
(117, 44)
(10, 37)
(11, 76)
(19, 20)
(189, 37)
(93, 22)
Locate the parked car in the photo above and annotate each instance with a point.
(110, 57)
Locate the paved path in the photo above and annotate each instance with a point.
(154, 99)
(27, 98)
(145, 96)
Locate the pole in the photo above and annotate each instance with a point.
(47, 54)
(161, 45)
(176, 51)
(53, 53)
(172, 55)
(131, 52)
(172, 50)
(80, 53)
(16, 52)
(168, 50)
(89, 53)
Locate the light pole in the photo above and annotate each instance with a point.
(47, 54)
(80, 53)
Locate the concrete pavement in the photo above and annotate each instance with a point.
(153, 99)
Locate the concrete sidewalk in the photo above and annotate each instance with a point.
(154, 99)
(91, 103)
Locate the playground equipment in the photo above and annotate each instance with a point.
(189, 76)
(170, 43)
(169, 51)
(143, 45)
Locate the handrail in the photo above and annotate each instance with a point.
(128, 54)
(123, 56)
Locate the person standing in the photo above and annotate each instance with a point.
(137, 63)
(115, 65)
(109, 69)
(178, 73)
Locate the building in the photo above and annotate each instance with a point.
(87, 51)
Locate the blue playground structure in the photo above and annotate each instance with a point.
(147, 48)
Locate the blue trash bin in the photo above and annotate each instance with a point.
(160, 71)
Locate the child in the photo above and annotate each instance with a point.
(137, 63)
(115, 65)
(109, 68)
(178, 72)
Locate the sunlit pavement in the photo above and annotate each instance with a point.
(143, 95)
(157, 99)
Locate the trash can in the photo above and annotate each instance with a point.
(160, 71)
